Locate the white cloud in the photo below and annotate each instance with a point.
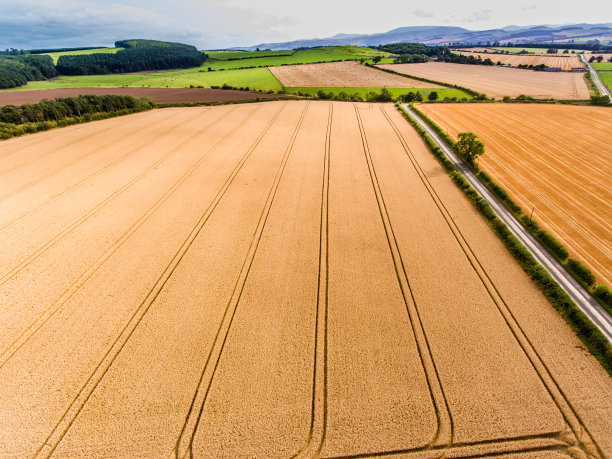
(423, 14)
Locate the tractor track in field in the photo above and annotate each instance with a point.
(49, 152)
(184, 444)
(568, 412)
(62, 167)
(318, 413)
(50, 311)
(84, 180)
(83, 395)
(93, 211)
(498, 446)
(445, 426)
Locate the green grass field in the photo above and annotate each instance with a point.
(308, 56)
(442, 93)
(604, 70)
(226, 55)
(55, 56)
(256, 79)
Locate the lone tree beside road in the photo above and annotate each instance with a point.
(469, 147)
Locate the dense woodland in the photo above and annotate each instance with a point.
(18, 69)
(418, 52)
(415, 48)
(138, 55)
(68, 107)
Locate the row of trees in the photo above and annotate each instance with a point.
(463, 59)
(69, 107)
(138, 55)
(18, 69)
(415, 48)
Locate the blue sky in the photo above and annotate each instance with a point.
(217, 24)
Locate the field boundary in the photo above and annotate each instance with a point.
(590, 335)
(427, 80)
(576, 268)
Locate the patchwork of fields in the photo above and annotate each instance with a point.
(269, 280)
(562, 61)
(556, 158)
(342, 74)
(501, 81)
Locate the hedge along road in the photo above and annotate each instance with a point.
(602, 87)
(594, 311)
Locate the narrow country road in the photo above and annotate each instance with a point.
(602, 87)
(596, 313)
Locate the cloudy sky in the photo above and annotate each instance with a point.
(211, 24)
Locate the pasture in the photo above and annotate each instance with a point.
(272, 279)
(257, 78)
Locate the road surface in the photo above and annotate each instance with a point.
(602, 87)
(596, 313)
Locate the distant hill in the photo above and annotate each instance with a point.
(438, 35)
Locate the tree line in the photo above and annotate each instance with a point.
(49, 114)
(67, 107)
(137, 55)
(18, 69)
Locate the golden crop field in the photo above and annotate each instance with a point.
(554, 157)
(498, 82)
(342, 74)
(272, 279)
(562, 61)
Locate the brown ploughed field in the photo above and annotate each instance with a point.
(498, 82)
(157, 95)
(564, 62)
(557, 158)
(270, 280)
(342, 74)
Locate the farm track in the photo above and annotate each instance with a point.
(577, 207)
(555, 167)
(248, 307)
(570, 415)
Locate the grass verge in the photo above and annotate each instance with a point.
(590, 335)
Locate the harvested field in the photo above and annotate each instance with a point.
(556, 158)
(265, 280)
(563, 62)
(157, 95)
(501, 81)
(342, 74)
